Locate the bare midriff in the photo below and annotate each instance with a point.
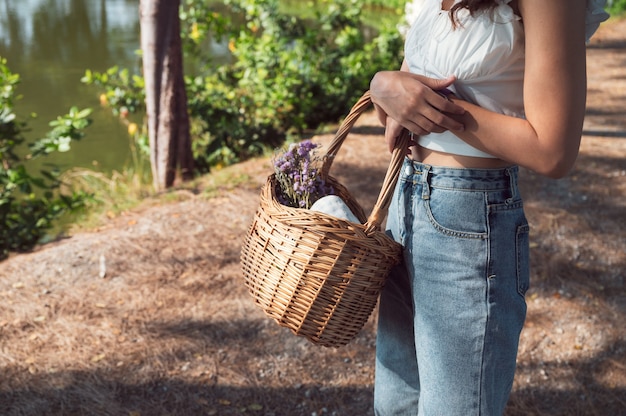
(435, 158)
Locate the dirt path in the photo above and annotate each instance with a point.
(170, 329)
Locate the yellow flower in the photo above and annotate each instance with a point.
(132, 129)
(231, 46)
(195, 33)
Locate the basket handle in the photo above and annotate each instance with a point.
(391, 177)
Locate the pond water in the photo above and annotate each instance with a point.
(51, 43)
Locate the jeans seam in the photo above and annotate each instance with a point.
(522, 285)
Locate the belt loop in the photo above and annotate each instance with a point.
(426, 173)
(512, 174)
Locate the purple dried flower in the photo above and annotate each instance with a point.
(298, 177)
(306, 147)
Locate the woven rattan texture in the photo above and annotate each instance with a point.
(314, 274)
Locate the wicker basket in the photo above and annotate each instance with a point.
(315, 274)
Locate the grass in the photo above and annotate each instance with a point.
(131, 188)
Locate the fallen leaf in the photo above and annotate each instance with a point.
(98, 358)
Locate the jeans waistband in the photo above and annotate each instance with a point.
(463, 178)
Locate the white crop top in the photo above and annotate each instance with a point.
(486, 54)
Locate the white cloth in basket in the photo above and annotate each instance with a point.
(335, 207)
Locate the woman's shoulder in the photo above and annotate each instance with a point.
(595, 14)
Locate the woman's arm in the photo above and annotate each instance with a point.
(548, 140)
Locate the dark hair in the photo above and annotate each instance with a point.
(472, 5)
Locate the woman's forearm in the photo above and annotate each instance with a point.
(516, 140)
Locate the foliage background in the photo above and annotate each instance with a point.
(287, 73)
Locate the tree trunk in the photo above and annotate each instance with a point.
(166, 99)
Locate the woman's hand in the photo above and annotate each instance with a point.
(393, 130)
(412, 102)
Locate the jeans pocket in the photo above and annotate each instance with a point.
(457, 213)
(523, 259)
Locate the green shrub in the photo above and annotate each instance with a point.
(386, 3)
(30, 204)
(617, 7)
(288, 75)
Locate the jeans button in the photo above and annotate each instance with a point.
(408, 170)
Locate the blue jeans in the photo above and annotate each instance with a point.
(450, 316)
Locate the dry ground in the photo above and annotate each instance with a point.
(170, 329)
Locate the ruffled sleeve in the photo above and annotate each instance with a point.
(595, 15)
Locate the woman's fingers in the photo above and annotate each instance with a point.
(431, 121)
(392, 131)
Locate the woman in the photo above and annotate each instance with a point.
(485, 86)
